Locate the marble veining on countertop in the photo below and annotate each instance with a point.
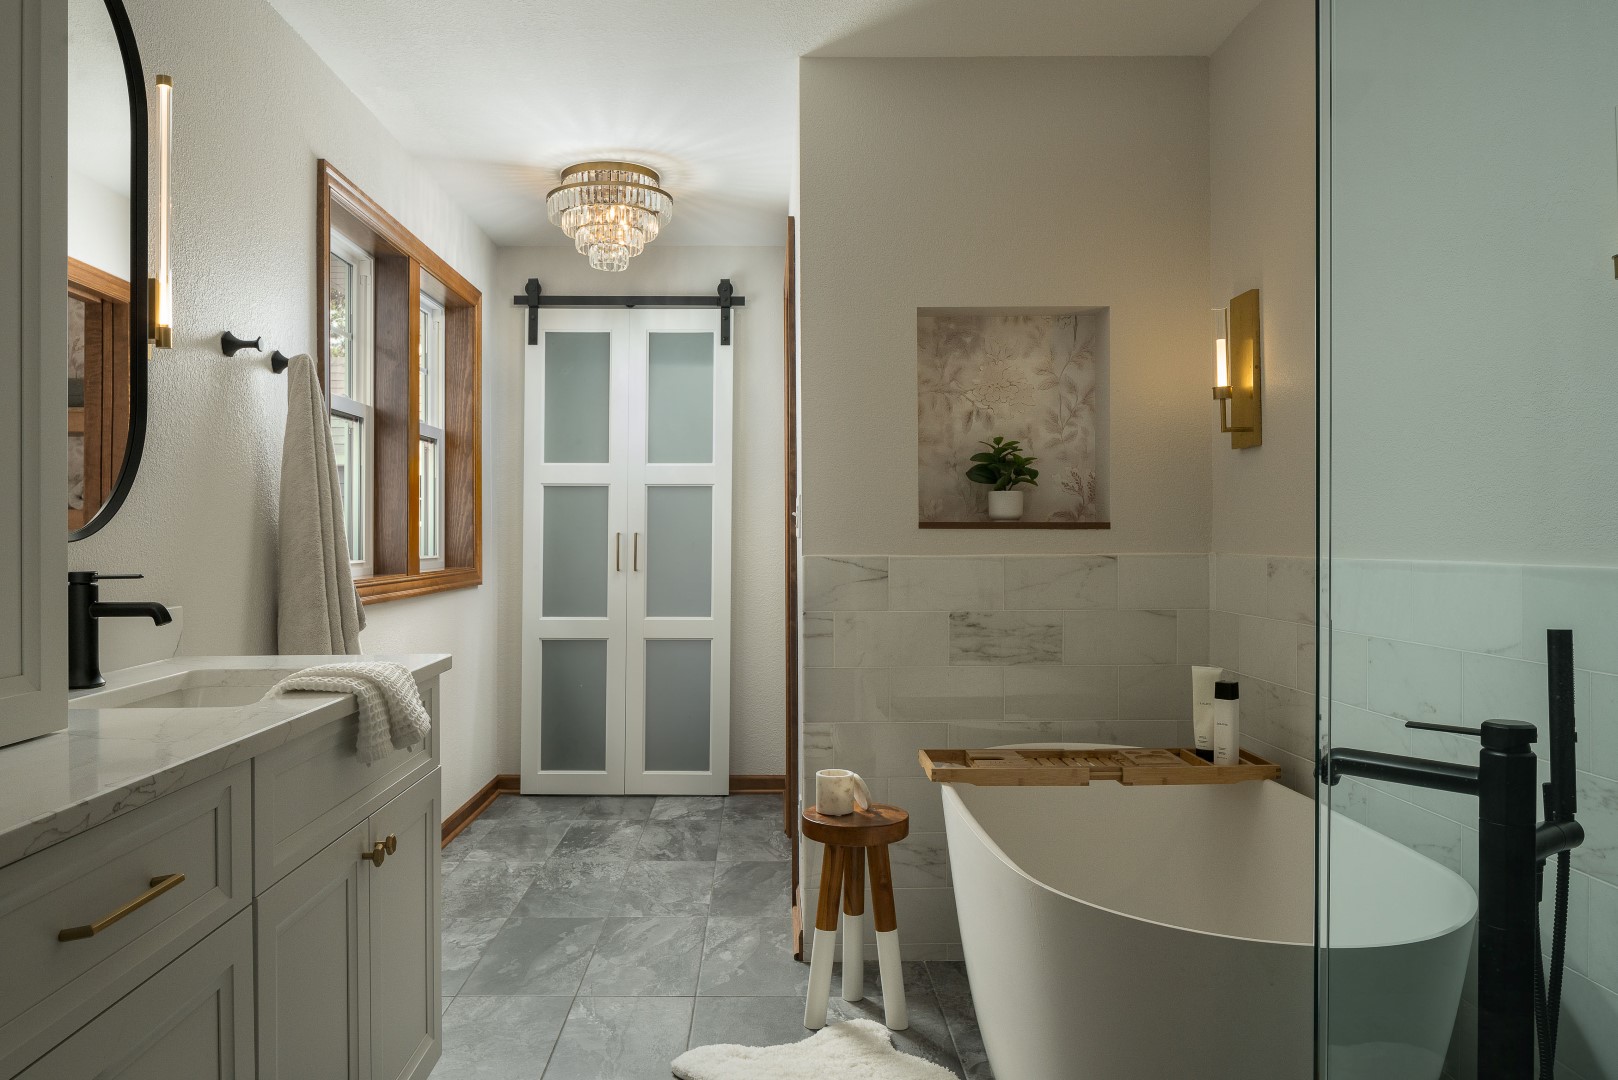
(109, 760)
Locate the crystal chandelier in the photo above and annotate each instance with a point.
(611, 209)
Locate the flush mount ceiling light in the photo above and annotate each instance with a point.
(611, 209)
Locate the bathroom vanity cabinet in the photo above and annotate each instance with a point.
(301, 943)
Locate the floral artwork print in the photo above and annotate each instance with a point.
(1032, 378)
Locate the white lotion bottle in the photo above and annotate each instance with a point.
(1227, 723)
(1202, 708)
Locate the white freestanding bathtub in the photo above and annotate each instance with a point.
(1161, 933)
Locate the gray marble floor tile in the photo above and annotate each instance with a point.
(546, 957)
(750, 957)
(748, 1021)
(679, 841)
(463, 942)
(688, 807)
(656, 957)
(752, 807)
(751, 888)
(485, 890)
(757, 839)
(518, 841)
(620, 1039)
(533, 807)
(499, 1038)
(445, 1007)
(598, 887)
(955, 999)
(600, 839)
(618, 807)
(928, 1035)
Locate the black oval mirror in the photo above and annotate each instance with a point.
(107, 262)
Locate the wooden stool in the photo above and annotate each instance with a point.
(850, 841)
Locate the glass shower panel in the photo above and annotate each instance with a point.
(680, 398)
(678, 705)
(574, 585)
(573, 706)
(578, 372)
(679, 552)
(1469, 318)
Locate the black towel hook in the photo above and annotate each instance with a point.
(230, 345)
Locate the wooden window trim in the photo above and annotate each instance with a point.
(401, 261)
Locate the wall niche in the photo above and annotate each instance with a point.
(1036, 375)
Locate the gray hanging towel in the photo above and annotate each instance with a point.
(318, 611)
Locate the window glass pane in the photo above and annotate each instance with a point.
(677, 705)
(573, 705)
(679, 552)
(574, 563)
(431, 362)
(342, 327)
(680, 400)
(349, 450)
(431, 488)
(577, 368)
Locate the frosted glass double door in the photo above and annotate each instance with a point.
(626, 585)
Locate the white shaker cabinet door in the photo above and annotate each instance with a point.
(33, 368)
(313, 936)
(406, 1006)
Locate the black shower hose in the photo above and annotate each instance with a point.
(1548, 1001)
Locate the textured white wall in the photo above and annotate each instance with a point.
(1262, 213)
(1002, 183)
(758, 582)
(1473, 220)
(254, 110)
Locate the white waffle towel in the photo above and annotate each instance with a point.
(391, 711)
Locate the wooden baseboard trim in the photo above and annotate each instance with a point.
(457, 822)
(758, 784)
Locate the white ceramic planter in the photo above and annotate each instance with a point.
(1005, 505)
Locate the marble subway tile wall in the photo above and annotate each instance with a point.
(1461, 643)
(905, 653)
(1262, 632)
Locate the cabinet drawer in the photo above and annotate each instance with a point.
(193, 1019)
(51, 986)
(315, 788)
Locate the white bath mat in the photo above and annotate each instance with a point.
(853, 1050)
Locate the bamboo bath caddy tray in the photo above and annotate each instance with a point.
(1068, 768)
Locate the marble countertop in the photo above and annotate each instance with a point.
(110, 760)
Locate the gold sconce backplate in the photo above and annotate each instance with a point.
(1246, 375)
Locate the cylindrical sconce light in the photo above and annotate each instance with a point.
(162, 281)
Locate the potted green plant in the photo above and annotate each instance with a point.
(1002, 467)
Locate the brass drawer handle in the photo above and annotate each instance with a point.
(159, 886)
(618, 552)
(636, 554)
(381, 850)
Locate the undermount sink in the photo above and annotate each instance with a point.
(220, 688)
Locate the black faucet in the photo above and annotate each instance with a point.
(85, 609)
(1514, 1011)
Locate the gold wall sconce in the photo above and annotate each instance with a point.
(1237, 375)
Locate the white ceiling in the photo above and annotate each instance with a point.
(498, 95)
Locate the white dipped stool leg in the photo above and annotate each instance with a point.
(854, 926)
(894, 1012)
(820, 965)
(824, 954)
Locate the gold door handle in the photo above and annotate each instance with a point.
(381, 850)
(158, 886)
(618, 551)
(636, 554)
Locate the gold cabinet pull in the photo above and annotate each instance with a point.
(381, 850)
(636, 556)
(618, 551)
(158, 886)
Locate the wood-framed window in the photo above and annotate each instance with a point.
(97, 387)
(401, 361)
